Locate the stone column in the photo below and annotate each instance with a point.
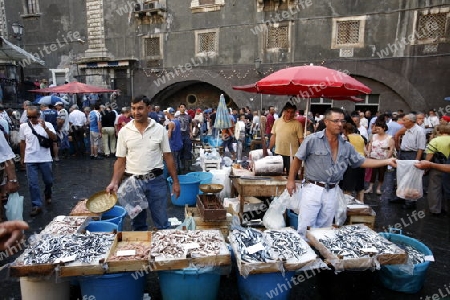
(96, 30)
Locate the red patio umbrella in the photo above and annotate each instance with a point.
(74, 88)
(309, 82)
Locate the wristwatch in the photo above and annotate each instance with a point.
(12, 180)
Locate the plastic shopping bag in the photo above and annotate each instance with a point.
(274, 218)
(292, 202)
(341, 210)
(14, 207)
(131, 196)
(409, 180)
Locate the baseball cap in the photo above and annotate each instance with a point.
(170, 110)
(59, 103)
(446, 118)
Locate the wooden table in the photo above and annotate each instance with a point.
(266, 187)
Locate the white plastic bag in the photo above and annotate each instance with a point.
(131, 196)
(14, 207)
(341, 210)
(274, 218)
(294, 201)
(409, 180)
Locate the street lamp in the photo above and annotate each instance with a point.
(17, 29)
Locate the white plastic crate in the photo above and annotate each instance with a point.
(209, 164)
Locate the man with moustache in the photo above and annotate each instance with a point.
(141, 147)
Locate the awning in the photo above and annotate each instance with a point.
(9, 51)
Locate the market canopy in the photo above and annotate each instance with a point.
(74, 88)
(9, 51)
(309, 82)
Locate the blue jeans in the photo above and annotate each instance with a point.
(156, 192)
(33, 181)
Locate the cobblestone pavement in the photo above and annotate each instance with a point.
(77, 178)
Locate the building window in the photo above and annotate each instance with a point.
(31, 7)
(207, 42)
(277, 37)
(432, 28)
(152, 48)
(198, 6)
(348, 32)
(371, 102)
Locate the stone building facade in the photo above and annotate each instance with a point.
(191, 51)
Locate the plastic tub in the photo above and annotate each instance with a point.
(266, 286)
(115, 215)
(205, 178)
(188, 190)
(39, 289)
(292, 218)
(101, 226)
(127, 285)
(189, 284)
(394, 278)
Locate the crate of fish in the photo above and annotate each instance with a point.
(269, 251)
(72, 254)
(130, 251)
(80, 209)
(180, 249)
(355, 247)
(61, 225)
(222, 225)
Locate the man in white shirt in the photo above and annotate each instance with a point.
(363, 121)
(142, 146)
(362, 130)
(431, 121)
(36, 157)
(77, 120)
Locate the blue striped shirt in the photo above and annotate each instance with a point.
(315, 151)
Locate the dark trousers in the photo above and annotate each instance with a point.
(186, 152)
(78, 140)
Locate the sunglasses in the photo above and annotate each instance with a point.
(33, 117)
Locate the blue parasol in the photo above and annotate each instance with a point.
(51, 100)
(222, 115)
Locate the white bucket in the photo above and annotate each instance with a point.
(40, 289)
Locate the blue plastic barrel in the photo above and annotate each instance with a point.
(266, 286)
(101, 226)
(292, 218)
(189, 284)
(119, 286)
(188, 190)
(205, 178)
(115, 215)
(396, 279)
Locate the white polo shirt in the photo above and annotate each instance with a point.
(34, 153)
(143, 152)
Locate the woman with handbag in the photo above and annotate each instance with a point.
(437, 151)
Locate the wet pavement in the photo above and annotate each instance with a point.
(78, 178)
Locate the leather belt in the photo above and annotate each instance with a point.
(321, 184)
(150, 175)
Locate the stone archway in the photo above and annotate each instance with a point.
(197, 76)
(394, 81)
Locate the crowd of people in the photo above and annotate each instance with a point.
(354, 151)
